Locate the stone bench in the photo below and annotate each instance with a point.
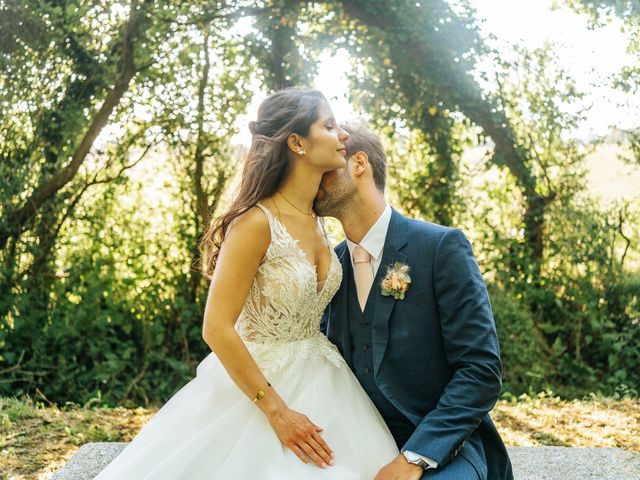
(529, 463)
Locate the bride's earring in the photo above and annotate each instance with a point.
(301, 152)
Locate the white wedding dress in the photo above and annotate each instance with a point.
(210, 430)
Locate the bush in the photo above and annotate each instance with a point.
(526, 362)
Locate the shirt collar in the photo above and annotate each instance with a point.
(373, 241)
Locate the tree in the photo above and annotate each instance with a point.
(90, 78)
(429, 50)
(51, 135)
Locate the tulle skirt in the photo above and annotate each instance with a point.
(210, 430)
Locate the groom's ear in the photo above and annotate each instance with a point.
(360, 161)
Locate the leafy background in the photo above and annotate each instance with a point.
(117, 122)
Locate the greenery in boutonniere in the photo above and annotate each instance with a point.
(396, 282)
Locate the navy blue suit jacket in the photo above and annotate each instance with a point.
(435, 353)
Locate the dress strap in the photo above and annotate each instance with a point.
(272, 227)
(269, 215)
(276, 226)
(265, 210)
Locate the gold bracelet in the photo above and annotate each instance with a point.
(260, 394)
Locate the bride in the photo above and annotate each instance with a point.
(275, 399)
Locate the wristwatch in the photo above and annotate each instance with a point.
(415, 459)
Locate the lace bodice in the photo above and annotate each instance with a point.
(281, 316)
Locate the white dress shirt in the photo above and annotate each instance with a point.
(373, 243)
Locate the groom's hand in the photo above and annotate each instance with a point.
(301, 436)
(400, 469)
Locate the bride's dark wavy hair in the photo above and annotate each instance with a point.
(283, 113)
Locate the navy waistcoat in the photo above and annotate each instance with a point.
(361, 331)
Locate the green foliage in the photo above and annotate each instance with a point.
(424, 178)
(407, 59)
(113, 326)
(526, 363)
(603, 8)
(589, 303)
(586, 303)
(100, 298)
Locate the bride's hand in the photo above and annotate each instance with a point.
(301, 436)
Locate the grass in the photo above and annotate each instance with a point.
(36, 439)
(548, 420)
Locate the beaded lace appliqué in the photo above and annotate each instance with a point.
(280, 321)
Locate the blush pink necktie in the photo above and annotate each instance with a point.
(363, 274)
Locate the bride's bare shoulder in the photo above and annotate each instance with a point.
(251, 227)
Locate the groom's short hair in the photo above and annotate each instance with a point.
(363, 139)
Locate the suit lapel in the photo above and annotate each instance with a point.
(340, 321)
(396, 240)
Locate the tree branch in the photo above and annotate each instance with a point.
(621, 219)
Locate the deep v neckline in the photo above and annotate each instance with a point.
(296, 243)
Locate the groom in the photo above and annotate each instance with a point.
(413, 320)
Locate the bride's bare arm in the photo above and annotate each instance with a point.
(244, 247)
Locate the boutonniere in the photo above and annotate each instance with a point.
(397, 281)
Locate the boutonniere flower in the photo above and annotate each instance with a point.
(397, 281)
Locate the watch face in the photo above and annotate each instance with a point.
(415, 459)
(411, 457)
